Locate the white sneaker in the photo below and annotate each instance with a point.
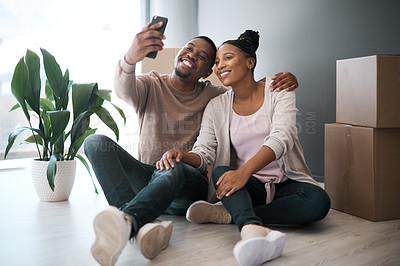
(112, 229)
(152, 238)
(204, 212)
(257, 250)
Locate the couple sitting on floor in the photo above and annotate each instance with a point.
(248, 133)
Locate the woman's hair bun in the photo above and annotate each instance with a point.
(248, 42)
(252, 36)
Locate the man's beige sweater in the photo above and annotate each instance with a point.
(168, 118)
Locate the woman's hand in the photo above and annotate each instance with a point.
(230, 182)
(166, 160)
(284, 81)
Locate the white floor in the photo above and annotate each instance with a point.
(41, 233)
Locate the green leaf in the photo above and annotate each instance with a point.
(34, 139)
(19, 84)
(59, 145)
(120, 111)
(65, 100)
(104, 94)
(70, 85)
(32, 94)
(47, 105)
(51, 171)
(16, 106)
(107, 119)
(95, 100)
(11, 139)
(77, 144)
(48, 91)
(58, 121)
(13, 135)
(79, 127)
(53, 73)
(81, 95)
(46, 126)
(37, 131)
(88, 169)
(66, 78)
(98, 103)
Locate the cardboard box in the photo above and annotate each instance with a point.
(165, 63)
(368, 91)
(362, 170)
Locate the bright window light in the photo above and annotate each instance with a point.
(86, 36)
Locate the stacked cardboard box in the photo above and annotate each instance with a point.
(362, 149)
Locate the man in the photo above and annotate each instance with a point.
(169, 108)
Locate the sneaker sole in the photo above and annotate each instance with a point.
(152, 238)
(257, 250)
(195, 211)
(111, 237)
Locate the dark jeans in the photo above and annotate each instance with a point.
(144, 192)
(294, 202)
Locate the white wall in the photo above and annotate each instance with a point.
(306, 38)
(182, 20)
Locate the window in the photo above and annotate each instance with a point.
(85, 36)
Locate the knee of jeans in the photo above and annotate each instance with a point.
(325, 203)
(172, 171)
(218, 172)
(93, 142)
(320, 203)
(178, 167)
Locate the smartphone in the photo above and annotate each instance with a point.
(155, 20)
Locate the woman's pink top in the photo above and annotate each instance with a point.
(248, 134)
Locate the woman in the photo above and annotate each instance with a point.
(249, 134)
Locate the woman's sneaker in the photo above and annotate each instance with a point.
(203, 212)
(258, 245)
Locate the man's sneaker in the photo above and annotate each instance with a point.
(255, 250)
(152, 238)
(203, 212)
(112, 229)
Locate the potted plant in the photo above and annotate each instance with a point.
(59, 133)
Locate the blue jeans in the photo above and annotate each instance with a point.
(140, 189)
(294, 203)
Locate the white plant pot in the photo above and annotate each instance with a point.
(64, 180)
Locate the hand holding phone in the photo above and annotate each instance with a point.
(155, 20)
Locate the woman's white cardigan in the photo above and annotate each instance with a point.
(213, 144)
